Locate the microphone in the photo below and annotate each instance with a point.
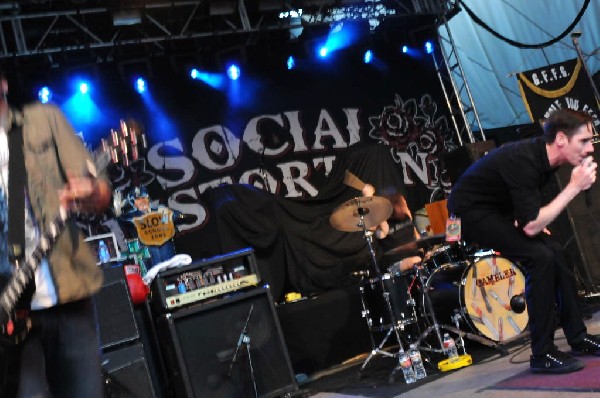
(587, 195)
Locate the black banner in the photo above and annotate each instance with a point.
(561, 85)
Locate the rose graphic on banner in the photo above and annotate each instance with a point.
(415, 138)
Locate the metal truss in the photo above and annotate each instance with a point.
(49, 28)
(455, 87)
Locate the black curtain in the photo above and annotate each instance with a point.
(296, 247)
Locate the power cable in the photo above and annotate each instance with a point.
(514, 43)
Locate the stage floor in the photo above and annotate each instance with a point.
(493, 376)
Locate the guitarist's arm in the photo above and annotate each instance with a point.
(85, 194)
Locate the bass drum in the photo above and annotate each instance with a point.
(481, 293)
(488, 286)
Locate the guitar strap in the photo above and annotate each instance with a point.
(17, 181)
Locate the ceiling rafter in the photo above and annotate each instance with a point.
(47, 27)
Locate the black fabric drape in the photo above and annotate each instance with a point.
(296, 247)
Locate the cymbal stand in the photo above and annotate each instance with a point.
(436, 326)
(361, 211)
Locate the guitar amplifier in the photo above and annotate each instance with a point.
(205, 279)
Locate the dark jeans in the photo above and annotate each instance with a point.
(549, 283)
(61, 356)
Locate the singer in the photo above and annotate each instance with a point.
(499, 200)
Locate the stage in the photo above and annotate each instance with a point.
(491, 375)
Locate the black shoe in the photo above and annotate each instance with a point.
(589, 346)
(555, 362)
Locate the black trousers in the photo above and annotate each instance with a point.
(549, 283)
(61, 356)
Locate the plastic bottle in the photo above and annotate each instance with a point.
(407, 369)
(417, 362)
(450, 348)
(103, 253)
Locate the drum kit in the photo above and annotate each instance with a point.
(474, 295)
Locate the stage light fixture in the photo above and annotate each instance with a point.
(291, 62)
(45, 95)
(127, 17)
(404, 49)
(428, 47)
(233, 72)
(84, 88)
(140, 85)
(194, 73)
(323, 51)
(368, 57)
(222, 7)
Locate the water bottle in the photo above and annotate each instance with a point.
(417, 362)
(407, 369)
(103, 253)
(450, 348)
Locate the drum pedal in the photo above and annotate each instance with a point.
(460, 362)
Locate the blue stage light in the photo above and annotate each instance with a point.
(291, 62)
(368, 56)
(233, 72)
(83, 88)
(194, 73)
(45, 95)
(140, 85)
(404, 49)
(323, 51)
(428, 47)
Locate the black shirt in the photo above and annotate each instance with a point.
(508, 180)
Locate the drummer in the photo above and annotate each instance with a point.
(395, 231)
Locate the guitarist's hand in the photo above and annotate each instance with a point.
(85, 194)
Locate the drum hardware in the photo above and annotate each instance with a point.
(363, 214)
(436, 326)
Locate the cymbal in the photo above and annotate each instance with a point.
(375, 209)
(424, 243)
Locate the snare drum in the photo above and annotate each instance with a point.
(375, 309)
(481, 293)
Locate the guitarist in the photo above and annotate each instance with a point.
(60, 355)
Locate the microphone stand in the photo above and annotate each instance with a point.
(575, 38)
(263, 172)
(245, 340)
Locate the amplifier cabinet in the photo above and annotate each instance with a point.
(200, 343)
(126, 373)
(205, 279)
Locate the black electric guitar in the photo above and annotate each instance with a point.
(14, 325)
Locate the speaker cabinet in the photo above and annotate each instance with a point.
(459, 160)
(218, 349)
(126, 373)
(114, 311)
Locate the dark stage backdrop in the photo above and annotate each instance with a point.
(260, 161)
